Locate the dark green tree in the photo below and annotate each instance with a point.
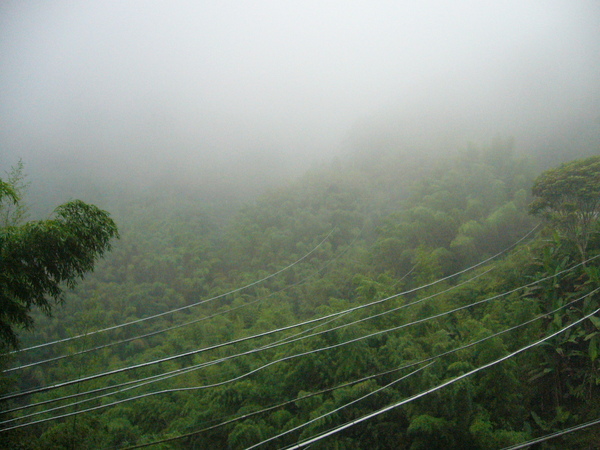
(38, 258)
(569, 197)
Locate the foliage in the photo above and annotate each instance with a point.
(569, 196)
(397, 225)
(37, 257)
(13, 211)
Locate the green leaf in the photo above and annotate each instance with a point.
(596, 321)
(590, 336)
(593, 348)
(538, 420)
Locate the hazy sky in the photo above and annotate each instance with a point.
(189, 84)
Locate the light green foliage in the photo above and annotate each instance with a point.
(8, 193)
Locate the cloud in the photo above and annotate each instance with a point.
(201, 85)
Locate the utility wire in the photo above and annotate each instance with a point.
(553, 435)
(270, 408)
(133, 338)
(432, 358)
(438, 387)
(235, 341)
(254, 283)
(186, 370)
(183, 371)
(154, 333)
(153, 378)
(278, 344)
(334, 315)
(144, 381)
(350, 341)
(345, 405)
(350, 383)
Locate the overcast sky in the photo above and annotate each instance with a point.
(189, 84)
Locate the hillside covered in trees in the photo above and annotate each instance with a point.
(388, 301)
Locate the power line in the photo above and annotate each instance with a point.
(291, 430)
(270, 408)
(330, 347)
(216, 346)
(273, 345)
(145, 381)
(235, 341)
(155, 378)
(176, 309)
(432, 358)
(187, 370)
(154, 333)
(553, 435)
(182, 371)
(133, 338)
(438, 387)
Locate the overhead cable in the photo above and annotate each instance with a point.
(163, 330)
(438, 387)
(174, 327)
(186, 370)
(254, 283)
(431, 358)
(266, 333)
(269, 408)
(553, 435)
(345, 405)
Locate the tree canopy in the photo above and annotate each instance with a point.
(186, 292)
(37, 257)
(569, 196)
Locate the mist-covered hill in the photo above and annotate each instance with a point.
(286, 315)
(325, 231)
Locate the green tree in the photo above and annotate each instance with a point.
(36, 258)
(569, 196)
(12, 210)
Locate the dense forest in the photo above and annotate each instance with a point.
(388, 300)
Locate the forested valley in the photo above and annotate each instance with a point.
(386, 300)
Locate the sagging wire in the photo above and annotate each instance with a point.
(235, 341)
(436, 388)
(114, 327)
(201, 319)
(432, 358)
(186, 370)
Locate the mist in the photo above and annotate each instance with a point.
(243, 95)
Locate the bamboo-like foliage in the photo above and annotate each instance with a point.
(569, 197)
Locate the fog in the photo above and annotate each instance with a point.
(225, 92)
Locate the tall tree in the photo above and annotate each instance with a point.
(569, 196)
(36, 258)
